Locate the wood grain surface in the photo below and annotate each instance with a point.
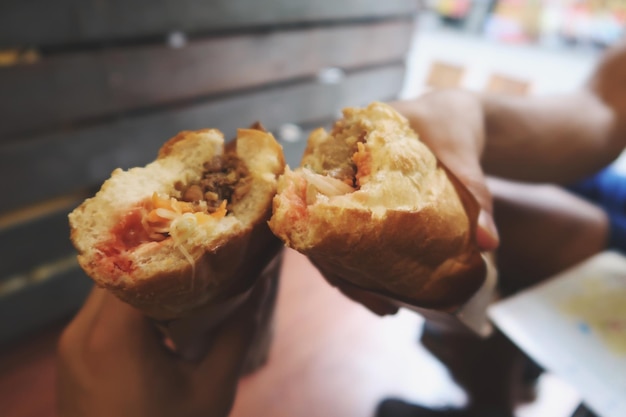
(75, 87)
(42, 22)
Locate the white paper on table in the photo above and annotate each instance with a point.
(574, 325)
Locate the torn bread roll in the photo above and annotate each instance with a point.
(372, 207)
(189, 228)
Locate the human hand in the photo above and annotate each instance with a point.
(112, 362)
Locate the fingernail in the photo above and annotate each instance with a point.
(487, 234)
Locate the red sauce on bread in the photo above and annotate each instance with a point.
(127, 234)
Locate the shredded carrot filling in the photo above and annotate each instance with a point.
(151, 222)
(363, 161)
(162, 211)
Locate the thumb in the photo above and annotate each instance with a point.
(463, 168)
(487, 237)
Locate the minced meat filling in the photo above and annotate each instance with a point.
(337, 154)
(224, 178)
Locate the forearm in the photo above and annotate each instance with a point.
(563, 137)
(550, 139)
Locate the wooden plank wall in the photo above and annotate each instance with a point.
(106, 90)
(122, 79)
(63, 22)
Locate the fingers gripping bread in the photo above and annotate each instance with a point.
(186, 229)
(371, 206)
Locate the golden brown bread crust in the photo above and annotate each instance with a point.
(221, 272)
(389, 256)
(157, 277)
(422, 254)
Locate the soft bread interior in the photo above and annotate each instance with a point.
(180, 162)
(374, 151)
(372, 207)
(264, 158)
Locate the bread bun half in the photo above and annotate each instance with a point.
(371, 206)
(187, 229)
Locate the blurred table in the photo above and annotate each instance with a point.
(575, 326)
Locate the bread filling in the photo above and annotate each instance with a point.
(224, 182)
(338, 165)
(225, 179)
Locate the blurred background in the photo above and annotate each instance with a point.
(89, 86)
(511, 46)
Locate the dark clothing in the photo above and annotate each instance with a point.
(607, 189)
